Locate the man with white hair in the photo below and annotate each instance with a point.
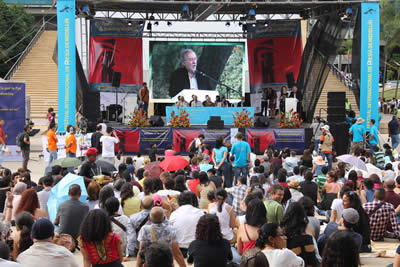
(326, 142)
(186, 77)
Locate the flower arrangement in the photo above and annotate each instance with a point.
(290, 119)
(242, 119)
(180, 120)
(138, 119)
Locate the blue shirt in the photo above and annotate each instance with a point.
(219, 154)
(240, 150)
(358, 130)
(374, 131)
(378, 122)
(350, 119)
(393, 127)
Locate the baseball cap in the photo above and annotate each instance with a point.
(350, 215)
(42, 229)
(92, 151)
(325, 127)
(158, 200)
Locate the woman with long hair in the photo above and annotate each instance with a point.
(351, 200)
(180, 184)
(104, 194)
(129, 202)
(306, 159)
(205, 188)
(30, 202)
(93, 191)
(282, 98)
(99, 245)
(272, 241)
(225, 214)
(256, 216)
(220, 158)
(22, 238)
(341, 250)
(294, 223)
(209, 248)
(119, 223)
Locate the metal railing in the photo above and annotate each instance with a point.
(28, 48)
(345, 80)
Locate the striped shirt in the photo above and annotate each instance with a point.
(320, 180)
(380, 158)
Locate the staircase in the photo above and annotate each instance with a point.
(334, 84)
(40, 73)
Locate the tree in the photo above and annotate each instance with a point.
(16, 31)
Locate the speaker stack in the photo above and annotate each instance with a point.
(336, 106)
(215, 122)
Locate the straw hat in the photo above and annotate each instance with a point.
(360, 121)
(319, 160)
(294, 184)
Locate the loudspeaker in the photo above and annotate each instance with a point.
(215, 122)
(336, 118)
(290, 79)
(247, 99)
(116, 81)
(113, 112)
(261, 122)
(335, 110)
(337, 95)
(340, 132)
(308, 134)
(336, 106)
(156, 121)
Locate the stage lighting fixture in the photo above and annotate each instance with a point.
(252, 12)
(156, 23)
(149, 26)
(85, 9)
(169, 23)
(265, 24)
(152, 17)
(141, 22)
(228, 24)
(185, 14)
(129, 23)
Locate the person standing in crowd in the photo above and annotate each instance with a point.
(358, 131)
(49, 115)
(210, 248)
(153, 153)
(25, 148)
(159, 231)
(394, 131)
(95, 139)
(108, 142)
(195, 102)
(184, 218)
(273, 205)
(99, 245)
(317, 132)
(44, 195)
(70, 142)
(282, 99)
(144, 98)
(264, 102)
(347, 105)
(71, 213)
(51, 144)
(3, 144)
(380, 215)
(297, 94)
(241, 150)
(326, 145)
(373, 136)
(220, 159)
(44, 252)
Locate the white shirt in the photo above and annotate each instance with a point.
(337, 204)
(290, 163)
(185, 219)
(108, 145)
(296, 194)
(167, 192)
(4, 263)
(193, 82)
(253, 158)
(282, 257)
(138, 162)
(197, 142)
(295, 177)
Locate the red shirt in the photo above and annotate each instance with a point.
(392, 198)
(193, 185)
(2, 135)
(111, 251)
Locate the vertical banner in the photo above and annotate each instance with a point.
(66, 63)
(369, 73)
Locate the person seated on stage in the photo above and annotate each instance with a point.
(218, 102)
(181, 102)
(186, 76)
(208, 102)
(195, 102)
(225, 102)
(242, 102)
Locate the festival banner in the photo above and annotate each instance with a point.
(369, 74)
(129, 140)
(161, 136)
(66, 63)
(83, 144)
(274, 52)
(115, 47)
(183, 138)
(260, 139)
(292, 138)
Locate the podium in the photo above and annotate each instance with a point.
(291, 103)
(201, 94)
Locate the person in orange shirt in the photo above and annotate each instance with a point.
(326, 145)
(70, 142)
(51, 144)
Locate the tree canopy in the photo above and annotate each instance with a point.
(16, 31)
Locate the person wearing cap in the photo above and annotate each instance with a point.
(241, 150)
(358, 131)
(89, 167)
(349, 220)
(43, 252)
(326, 144)
(394, 131)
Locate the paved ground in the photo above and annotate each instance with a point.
(37, 166)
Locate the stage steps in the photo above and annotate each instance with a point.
(333, 84)
(41, 75)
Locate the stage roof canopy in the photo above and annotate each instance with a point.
(201, 10)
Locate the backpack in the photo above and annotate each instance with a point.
(20, 140)
(192, 146)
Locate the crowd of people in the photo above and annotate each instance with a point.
(227, 207)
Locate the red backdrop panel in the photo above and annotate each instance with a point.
(131, 139)
(182, 139)
(259, 140)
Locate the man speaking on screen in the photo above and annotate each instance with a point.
(186, 76)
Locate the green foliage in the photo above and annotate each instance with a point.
(390, 26)
(346, 48)
(15, 24)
